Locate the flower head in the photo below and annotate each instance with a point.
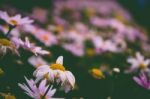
(29, 46)
(36, 92)
(14, 20)
(7, 44)
(138, 62)
(143, 80)
(56, 72)
(97, 73)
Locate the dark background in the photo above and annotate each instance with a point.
(125, 88)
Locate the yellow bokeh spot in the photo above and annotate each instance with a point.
(46, 76)
(97, 73)
(5, 42)
(89, 12)
(1, 72)
(8, 96)
(90, 52)
(57, 67)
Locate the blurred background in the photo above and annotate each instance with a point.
(120, 87)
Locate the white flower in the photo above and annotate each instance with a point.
(138, 62)
(14, 20)
(37, 92)
(56, 72)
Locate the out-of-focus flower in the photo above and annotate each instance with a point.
(97, 73)
(75, 49)
(7, 44)
(29, 46)
(105, 45)
(143, 80)
(37, 61)
(8, 96)
(5, 28)
(40, 14)
(74, 42)
(138, 62)
(37, 92)
(56, 72)
(44, 36)
(117, 70)
(14, 20)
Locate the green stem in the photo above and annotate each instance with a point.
(10, 29)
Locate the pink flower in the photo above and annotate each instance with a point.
(29, 46)
(37, 61)
(143, 80)
(37, 92)
(14, 20)
(138, 62)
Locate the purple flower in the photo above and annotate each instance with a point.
(29, 46)
(36, 92)
(142, 80)
(15, 20)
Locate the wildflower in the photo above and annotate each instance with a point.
(56, 72)
(97, 73)
(37, 61)
(29, 46)
(14, 20)
(138, 62)
(143, 80)
(37, 92)
(7, 44)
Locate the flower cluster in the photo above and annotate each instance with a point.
(98, 39)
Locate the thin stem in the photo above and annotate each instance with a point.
(46, 92)
(10, 29)
(112, 87)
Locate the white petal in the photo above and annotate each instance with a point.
(59, 60)
(70, 78)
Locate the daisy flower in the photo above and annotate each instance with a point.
(37, 92)
(138, 62)
(143, 80)
(29, 46)
(14, 20)
(6, 44)
(56, 72)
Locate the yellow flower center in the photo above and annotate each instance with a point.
(97, 73)
(13, 22)
(45, 38)
(5, 42)
(57, 67)
(142, 66)
(46, 76)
